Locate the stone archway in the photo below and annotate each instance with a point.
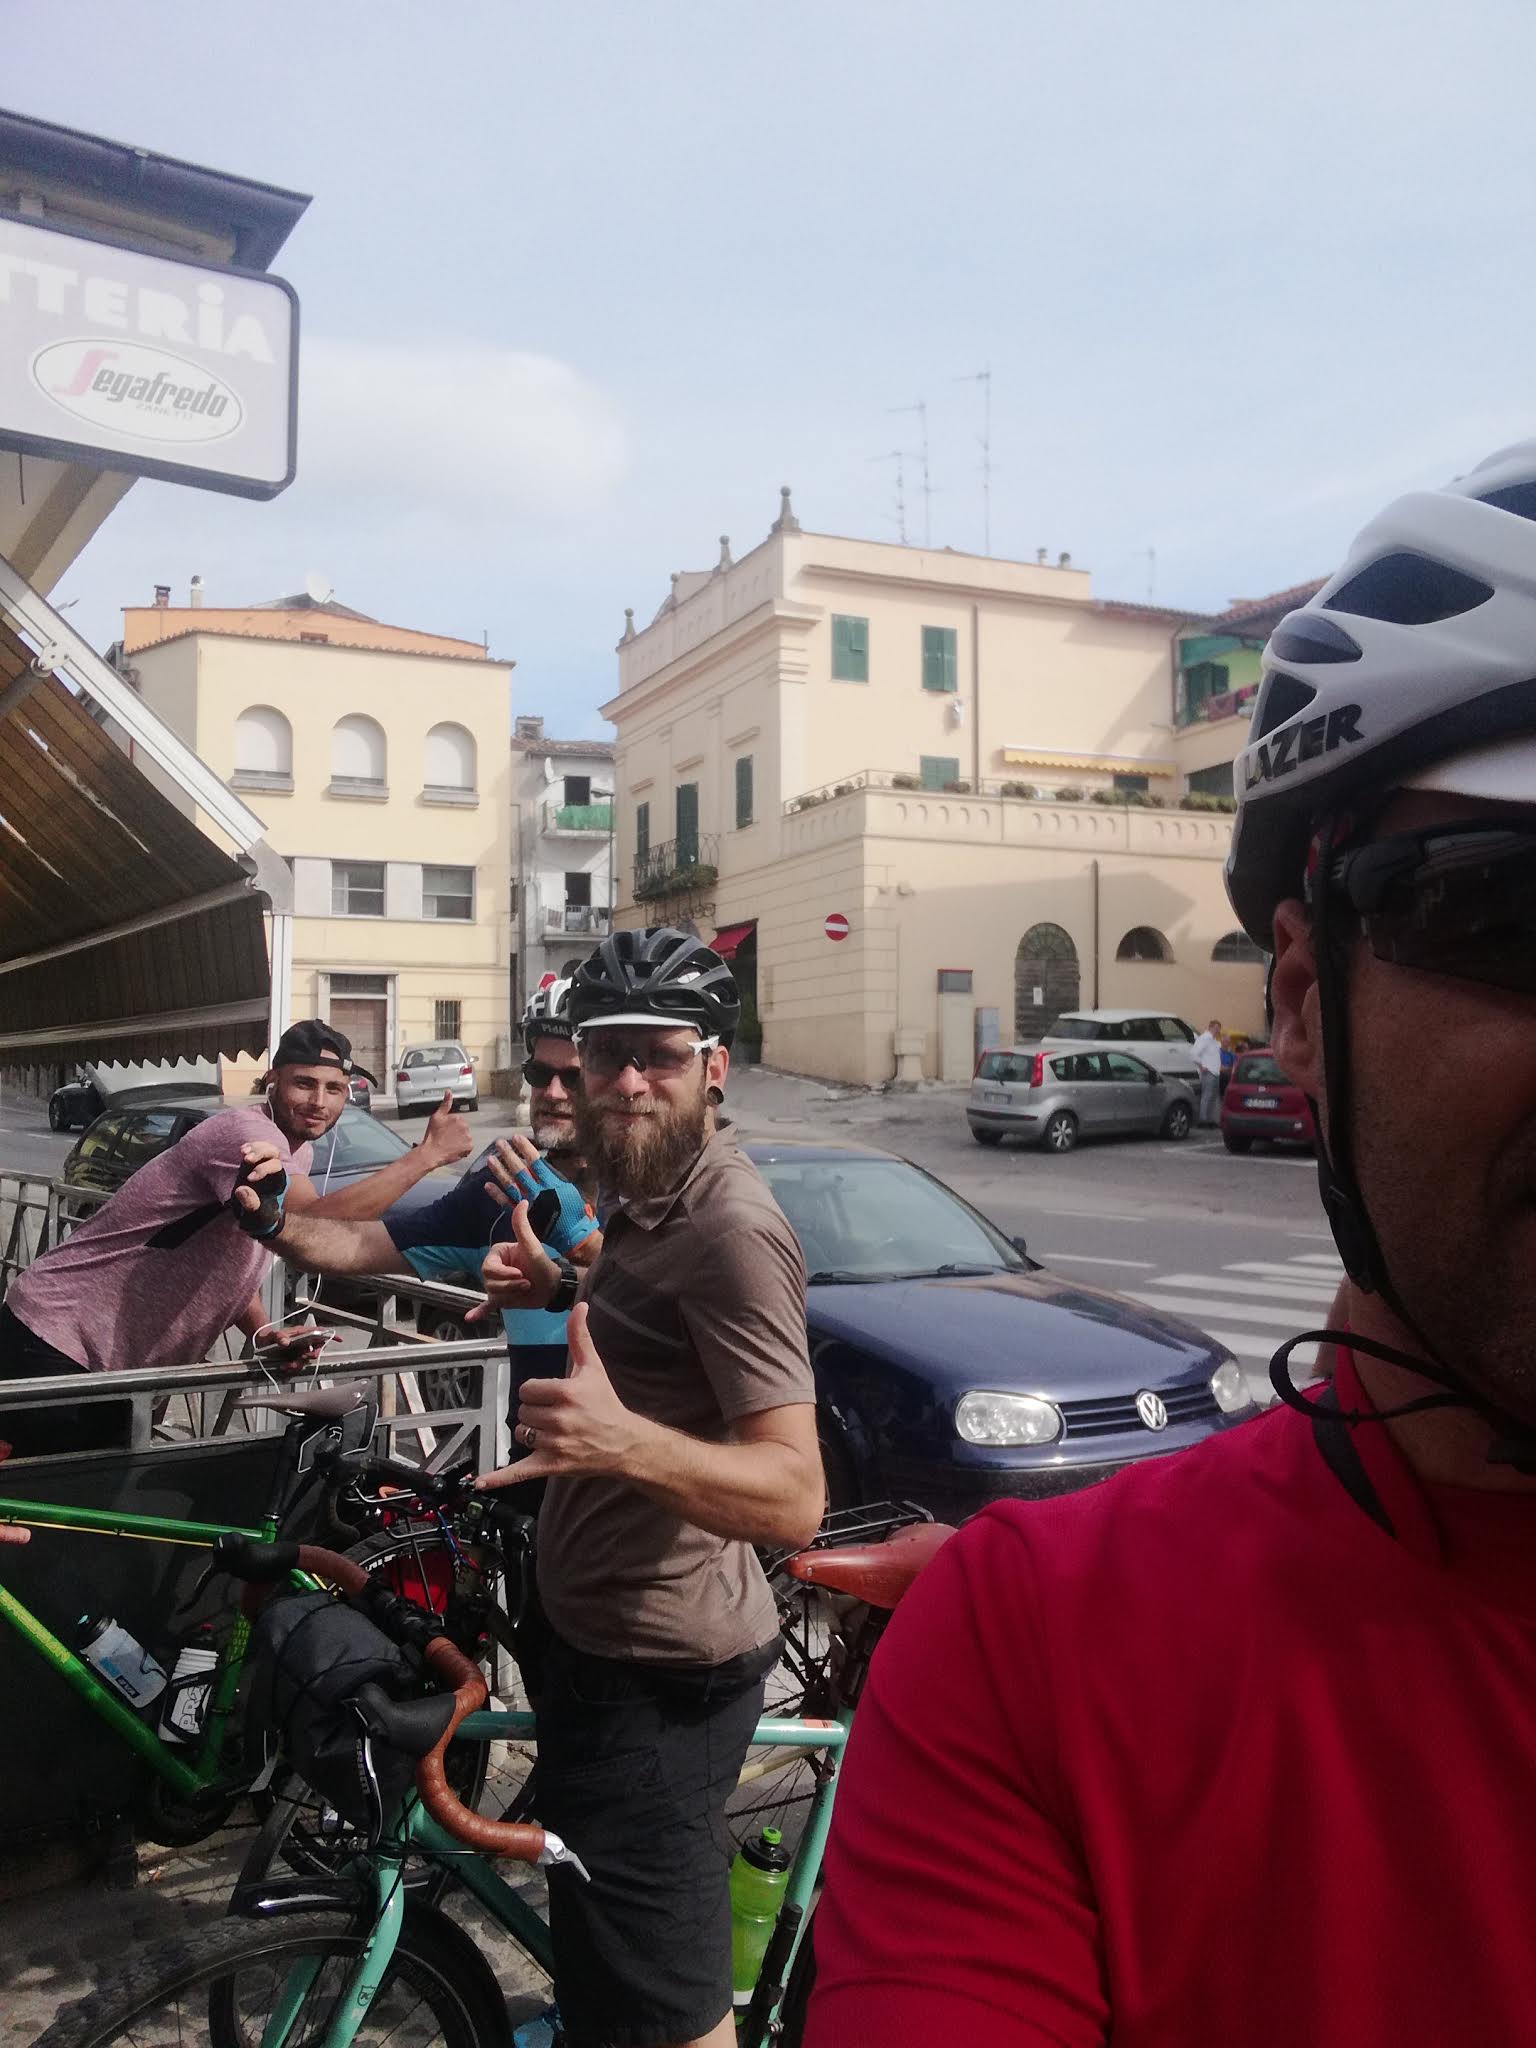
(1045, 981)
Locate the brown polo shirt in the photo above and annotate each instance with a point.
(697, 1310)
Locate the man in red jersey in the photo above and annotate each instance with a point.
(1240, 1748)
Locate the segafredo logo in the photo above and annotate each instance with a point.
(135, 390)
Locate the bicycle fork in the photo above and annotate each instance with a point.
(354, 1998)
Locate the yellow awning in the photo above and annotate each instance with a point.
(1088, 764)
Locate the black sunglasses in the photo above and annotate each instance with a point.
(1456, 899)
(539, 1074)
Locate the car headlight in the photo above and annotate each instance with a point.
(1230, 1388)
(1006, 1419)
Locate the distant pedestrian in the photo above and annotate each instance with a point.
(1208, 1060)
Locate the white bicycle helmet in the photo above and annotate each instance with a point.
(547, 1014)
(1422, 648)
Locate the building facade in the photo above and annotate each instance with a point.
(924, 800)
(1216, 680)
(377, 757)
(562, 803)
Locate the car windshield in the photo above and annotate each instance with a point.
(881, 1219)
(356, 1143)
(1262, 1068)
(1076, 1027)
(433, 1056)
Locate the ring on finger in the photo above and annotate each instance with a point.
(528, 1434)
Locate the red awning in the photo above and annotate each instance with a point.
(731, 937)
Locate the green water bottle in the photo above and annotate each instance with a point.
(758, 1878)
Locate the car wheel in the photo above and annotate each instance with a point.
(986, 1137)
(56, 1120)
(842, 1485)
(470, 1106)
(1060, 1133)
(1176, 1123)
(453, 1386)
(1236, 1144)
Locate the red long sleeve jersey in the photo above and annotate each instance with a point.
(1201, 1758)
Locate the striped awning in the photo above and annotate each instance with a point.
(1086, 764)
(125, 932)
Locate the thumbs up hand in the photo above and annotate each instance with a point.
(577, 1425)
(516, 1273)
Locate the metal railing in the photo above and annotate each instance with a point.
(596, 818)
(904, 781)
(576, 917)
(441, 1419)
(677, 866)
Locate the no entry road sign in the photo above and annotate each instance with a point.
(836, 926)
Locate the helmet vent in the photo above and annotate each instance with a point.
(1409, 590)
(1280, 699)
(1517, 498)
(1309, 638)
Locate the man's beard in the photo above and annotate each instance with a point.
(644, 1151)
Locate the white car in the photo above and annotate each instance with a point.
(426, 1071)
(1160, 1038)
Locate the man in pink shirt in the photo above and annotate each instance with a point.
(161, 1271)
(1238, 1747)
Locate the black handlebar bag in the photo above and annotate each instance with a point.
(311, 1654)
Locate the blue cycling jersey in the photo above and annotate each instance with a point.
(448, 1239)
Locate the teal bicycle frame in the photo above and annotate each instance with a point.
(417, 1833)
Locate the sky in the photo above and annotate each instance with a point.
(584, 283)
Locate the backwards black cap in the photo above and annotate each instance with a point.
(313, 1044)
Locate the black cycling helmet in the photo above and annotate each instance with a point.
(657, 976)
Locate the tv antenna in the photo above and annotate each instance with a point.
(319, 589)
(921, 409)
(900, 457)
(984, 379)
(1151, 575)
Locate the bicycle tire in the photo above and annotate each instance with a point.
(210, 1985)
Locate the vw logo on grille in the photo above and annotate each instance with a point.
(1151, 1411)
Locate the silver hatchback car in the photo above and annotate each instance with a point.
(1052, 1098)
(425, 1072)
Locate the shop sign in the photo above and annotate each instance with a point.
(144, 363)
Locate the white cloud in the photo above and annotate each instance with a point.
(470, 432)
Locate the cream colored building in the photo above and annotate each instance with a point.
(972, 761)
(377, 757)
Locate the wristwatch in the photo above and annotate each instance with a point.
(564, 1298)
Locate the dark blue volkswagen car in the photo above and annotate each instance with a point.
(951, 1369)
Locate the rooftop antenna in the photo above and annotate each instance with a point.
(317, 588)
(984, 379)
(1151, 575)
(899, 457)
(921, 409)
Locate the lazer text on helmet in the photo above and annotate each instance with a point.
(1284, 751)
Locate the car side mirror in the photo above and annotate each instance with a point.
(1153, 1079)
(1020, 1246)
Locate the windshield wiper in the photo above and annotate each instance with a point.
(836, 1277)
(955, 1271)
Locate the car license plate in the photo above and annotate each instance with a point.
(1261, 1102)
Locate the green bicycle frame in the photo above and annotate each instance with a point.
(186, 1778)
(418, 1831)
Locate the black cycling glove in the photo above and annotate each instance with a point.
(266, 1221)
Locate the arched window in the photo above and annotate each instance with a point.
(1141, 942)
(1045, 980)
(450, 759)
(1237, 949)
(263, 748)
(358, 756)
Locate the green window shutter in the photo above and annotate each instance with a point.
(850, 649)
(642, 829)
(687, 822)
(937, 769)
(744, 790)
(941, 665)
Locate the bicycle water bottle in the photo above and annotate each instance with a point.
(186, 1697)
(759, 1876)
(121, 1660)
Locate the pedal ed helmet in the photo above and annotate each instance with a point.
(657, 976)
(1414, 667)
(548, 1014)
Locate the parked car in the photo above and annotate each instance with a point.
(1159, 1037)
(128, 1135)
(425, 1071)
(73, 1104)
(1051, 1098)
(951, 1369)
(1261, 1102)
(360, 1094)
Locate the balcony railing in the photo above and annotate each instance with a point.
(678, 867)
(591, 918)
(1211, 710)
(903, 783)
(595, 818)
